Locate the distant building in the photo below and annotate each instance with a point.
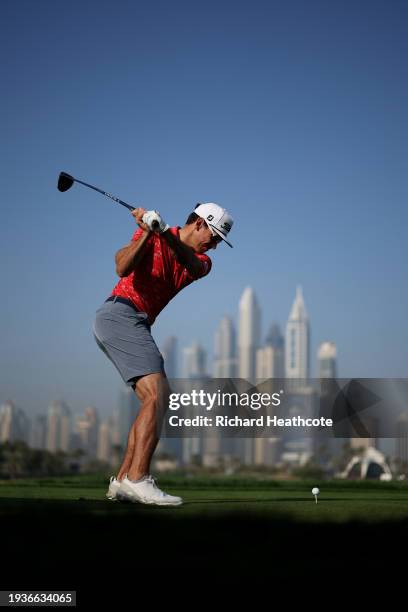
(86, 429)
(270, 359)
(169, 352)
(249, 334)
(297, 447)
(211, 448)
(267, 451)
(297, 345)
(38, 434)
(191, 451)
(269, 363)
(14, 424)
(402, 438)
(225, 349)
(326, 357)
(7, 421)
(194, 361)
(274, 337)
(104, 447)
(58, 427)
(249, 340)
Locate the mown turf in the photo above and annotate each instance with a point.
(64, 533)
(338, 502)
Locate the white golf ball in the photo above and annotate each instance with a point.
(315, 491)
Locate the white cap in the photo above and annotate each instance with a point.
(217, 219)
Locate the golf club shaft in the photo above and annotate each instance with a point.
(109, 195)
(65, 182)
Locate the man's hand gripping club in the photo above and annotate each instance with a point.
(154, 221)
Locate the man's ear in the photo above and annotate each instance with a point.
(199, 223)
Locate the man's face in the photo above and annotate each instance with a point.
(203, 239)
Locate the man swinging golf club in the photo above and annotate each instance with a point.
(153, 268)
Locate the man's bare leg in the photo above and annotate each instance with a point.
(127, 461)
(152, 391)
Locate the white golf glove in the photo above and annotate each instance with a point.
(152, 216)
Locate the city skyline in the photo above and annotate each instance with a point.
(262, 356)
(105, 439)
(200, 362)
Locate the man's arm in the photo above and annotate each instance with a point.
(184, 254)
(130, 256)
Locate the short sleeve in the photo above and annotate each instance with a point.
(149, 241)
(137, 234)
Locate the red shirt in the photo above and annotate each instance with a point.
(158, 277)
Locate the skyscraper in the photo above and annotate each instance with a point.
(326, 357)
(194, 361)
(402, 438)
(14, 424)
(270, 360)
(225, 347)
(249, 333)
(58, 427)
(38, 434)
(86, 429)
(269, 363)
(104, 447)
(297, 357)
(274, 337)
(249, 337)
(6, 421)
(169, 352)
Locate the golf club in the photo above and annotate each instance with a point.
(65, 182)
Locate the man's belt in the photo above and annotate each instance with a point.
(117, 298)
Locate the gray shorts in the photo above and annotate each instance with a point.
(124, 336)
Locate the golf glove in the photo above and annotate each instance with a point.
(152, 216)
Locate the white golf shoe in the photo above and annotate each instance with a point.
(113, 489)
(147, 492)
(113, 493)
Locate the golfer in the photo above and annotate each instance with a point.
(158, 262)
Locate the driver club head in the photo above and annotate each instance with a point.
(65, 181)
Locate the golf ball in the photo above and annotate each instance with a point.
(315, 491)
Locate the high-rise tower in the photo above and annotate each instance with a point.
(326, 357)
(249, 333)
(225, 360)
(297, 358)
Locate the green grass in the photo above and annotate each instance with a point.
(62, 533)
(338, 502)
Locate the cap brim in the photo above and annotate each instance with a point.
(220, 234)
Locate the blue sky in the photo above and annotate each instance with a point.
(293, 115)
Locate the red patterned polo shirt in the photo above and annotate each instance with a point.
(158, 277)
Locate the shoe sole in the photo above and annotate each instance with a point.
(123, 497)
(117, 497)
(163, 504)
(137, 500)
